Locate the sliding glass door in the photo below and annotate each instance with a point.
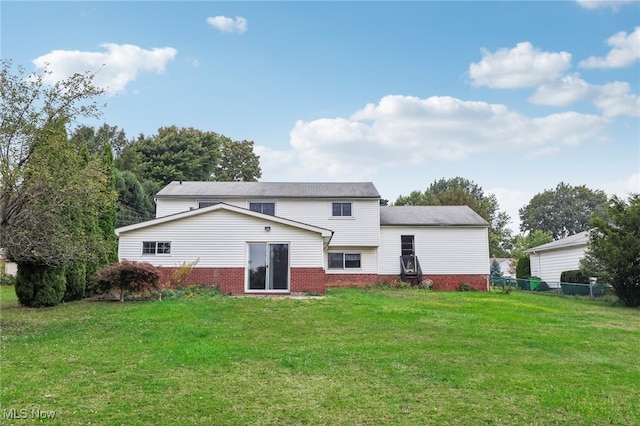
(268, 266)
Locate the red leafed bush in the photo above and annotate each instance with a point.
(128, 276)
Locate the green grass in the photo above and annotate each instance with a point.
(356, 357)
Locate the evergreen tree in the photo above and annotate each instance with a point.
(495, 270)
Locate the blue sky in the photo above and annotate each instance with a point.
(516, 96)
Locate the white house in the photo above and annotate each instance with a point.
(291, 238)
(506, 265)
(548, 261)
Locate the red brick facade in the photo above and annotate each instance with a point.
(315, 280)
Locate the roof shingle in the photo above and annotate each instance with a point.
(430, 216)
(222, 190)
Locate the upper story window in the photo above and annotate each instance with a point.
(202, 204)
(341, 209)
(265, 208)
(156, 247)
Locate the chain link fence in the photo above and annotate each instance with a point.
(537, 285)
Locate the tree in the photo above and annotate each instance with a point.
(51, 192)
(613, 253)
(237, 162)
(495, 272)
(173, 154)
(95, 140)
(562, 212)
(134, 202)
(460, 192)
(28, 105)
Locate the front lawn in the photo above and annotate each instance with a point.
(356, 357)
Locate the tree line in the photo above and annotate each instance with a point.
(63, 194)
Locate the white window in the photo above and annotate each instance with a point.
(156, 247)
(341, 209)
(344, 260)
(265, 208)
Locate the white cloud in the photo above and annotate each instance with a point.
(522, 66)
(596, 4)
(613, 99)
(405, 131)
(625, 51)
(115, 68)
(623, 188)
(228, 25)
(563, 92)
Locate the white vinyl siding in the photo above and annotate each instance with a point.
(361, 229)
(549, 264)
(219, 239)
(440, 250)
(368, 260)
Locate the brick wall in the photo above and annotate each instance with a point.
(453, 282)
(315, 280)
(351, 280)
(230, 280)
(304, 280)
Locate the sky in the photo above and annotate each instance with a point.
(515, 96)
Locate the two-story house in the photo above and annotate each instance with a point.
(292, 238)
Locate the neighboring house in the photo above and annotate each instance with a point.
(292, 238)
(505, 265)
(6, 265)
(549, 260)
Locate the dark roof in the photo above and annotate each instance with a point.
(430, 216)
(221, 190)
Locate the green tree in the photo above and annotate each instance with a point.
(96, 139)
(173, 154)
(495, 272)
(134, 202)
(563, 211)
(459, 191)
(28, 105)
(613, 254)
(237, 162)
(50, 191)
(57, 226)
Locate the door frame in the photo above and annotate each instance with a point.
(267, 260)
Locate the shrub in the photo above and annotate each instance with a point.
(181, 273)
(76, 276)
(7, 279)
(39, 285)
(128, 276)
(523, 267)
(574, 276)
(426, 284)
(465, 286)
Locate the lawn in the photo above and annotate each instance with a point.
(356, 357)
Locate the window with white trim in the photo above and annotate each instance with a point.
(265, 208)
(341, 209)
(156, 247)
(344, 260)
